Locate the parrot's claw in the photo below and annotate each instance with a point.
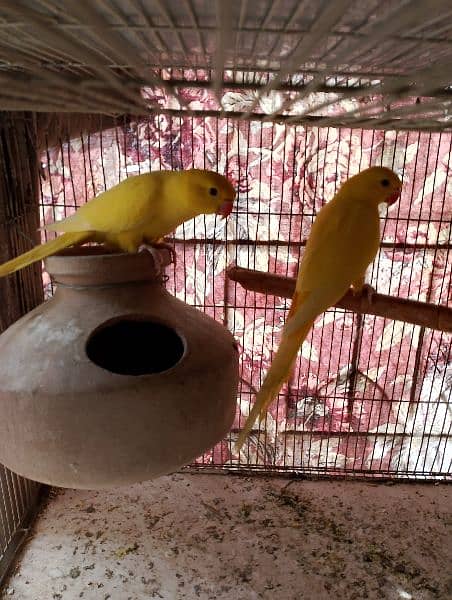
(155, 246)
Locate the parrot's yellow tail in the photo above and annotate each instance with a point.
(44, 250)
(276, 376)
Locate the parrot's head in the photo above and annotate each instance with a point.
(376, 185)
(209, 192)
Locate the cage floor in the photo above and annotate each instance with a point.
(228, 537)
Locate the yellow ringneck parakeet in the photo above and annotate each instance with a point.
(139, 210)
(344, 240)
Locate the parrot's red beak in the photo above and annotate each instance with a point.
(393, 197)
(225, 209)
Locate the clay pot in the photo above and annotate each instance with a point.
(113, 380)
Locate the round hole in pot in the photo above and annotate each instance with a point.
(134, 345)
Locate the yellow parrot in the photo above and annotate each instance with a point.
(139, 210)
(344, 240)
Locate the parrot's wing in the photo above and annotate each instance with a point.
(305, 308)
(75, 222)
(329, 265)
(125, 207)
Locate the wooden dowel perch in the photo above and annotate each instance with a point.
(419, 313)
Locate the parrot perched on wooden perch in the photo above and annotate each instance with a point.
(344, 240)
(139, 210)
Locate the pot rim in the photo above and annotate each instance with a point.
(94, 266)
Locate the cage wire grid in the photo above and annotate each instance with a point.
(102, 57)
(19, 219)
(369, 396)
(18, 498)
(289, 98)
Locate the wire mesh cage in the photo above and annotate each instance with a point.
(119, 56)
(369, 396)
(18, 498)
(19, 294)
(288, 98)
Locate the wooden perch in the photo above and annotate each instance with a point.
(419, 313)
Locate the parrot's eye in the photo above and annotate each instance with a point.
(385, 182)
(213, 191)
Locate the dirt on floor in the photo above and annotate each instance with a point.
(219, 537)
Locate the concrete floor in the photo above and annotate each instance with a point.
(221, 537)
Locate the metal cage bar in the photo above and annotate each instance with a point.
(19, 219)
(103, 57)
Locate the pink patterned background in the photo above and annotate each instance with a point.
(399, 421)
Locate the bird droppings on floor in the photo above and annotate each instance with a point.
(218, 537)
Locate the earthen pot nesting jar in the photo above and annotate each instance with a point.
(113, 380)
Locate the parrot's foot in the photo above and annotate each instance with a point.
(160, 246)
(365, 290)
